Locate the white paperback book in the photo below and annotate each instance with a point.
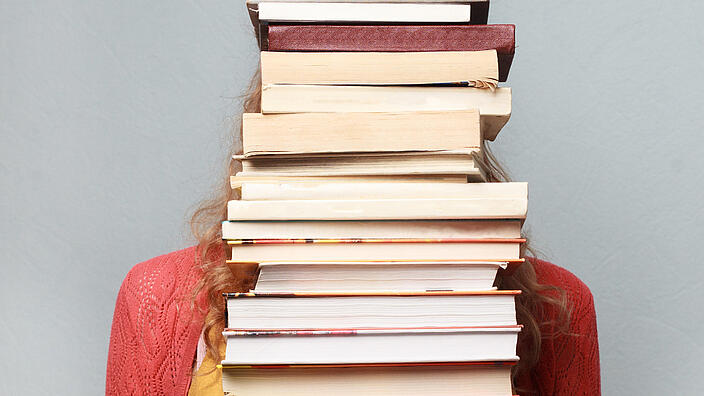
(352, 346)
(371, 277)
(364, 12)
(273, 311)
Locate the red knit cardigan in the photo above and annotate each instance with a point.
(155, 333)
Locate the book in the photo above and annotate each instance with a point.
(364, 12)
(320, 190)
(477, 68)
(457, 162)
(350, 346)
(478, 10)
(494, 106)
(419, 379)
(375, 249)
(359, 132)
(284, 311)
(376, 277)
(393, 38)
(238, 180)
(349, 229)
(511, 207)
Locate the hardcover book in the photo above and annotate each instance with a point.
(327, 11)
(394, 38)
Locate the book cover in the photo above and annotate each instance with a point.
(394, 38)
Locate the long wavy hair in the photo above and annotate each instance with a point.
(218, 278)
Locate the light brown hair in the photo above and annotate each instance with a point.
(217, 277)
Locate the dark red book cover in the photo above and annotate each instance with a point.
(394, 38)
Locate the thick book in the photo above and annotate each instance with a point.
(320, 190)
(428, 131)
(476, 68)
(371, 277)
(349, 346)
(375, 249)
(371, 229)
(494, 106)
(456, 162)
(284, 311)
(394, 38)
(430, 379)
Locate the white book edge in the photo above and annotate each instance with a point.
(363, 12)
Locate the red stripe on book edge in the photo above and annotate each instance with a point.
(388, 294)
(492, 261)
(372, 240)
(358, 331)
(280, 366)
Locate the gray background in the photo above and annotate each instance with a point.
(114, 123)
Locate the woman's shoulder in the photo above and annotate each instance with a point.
(162, 275)
(168, 269)
(155, 330)
(550, 274)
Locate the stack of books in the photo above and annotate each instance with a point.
(365, 206)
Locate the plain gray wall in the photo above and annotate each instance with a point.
(114, 122)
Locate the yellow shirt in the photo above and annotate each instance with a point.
(208, 379)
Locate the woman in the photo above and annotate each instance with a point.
(169, 315)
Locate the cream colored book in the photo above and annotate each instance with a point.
(380, 209)
(364, 12)
(360, 251)
(376, 277)
(451, 379)
(350, 346)
(494, 106)
(315, 190)
(365, 164)
(238, 180)
(371, 229)
(388, 309)
(360, 132)
(478, 68)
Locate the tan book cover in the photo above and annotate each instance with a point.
(494, 106)
(447, 250)
(238, 180)
(427, 379)
(371, 229)
(426, 131)
(478, 68)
